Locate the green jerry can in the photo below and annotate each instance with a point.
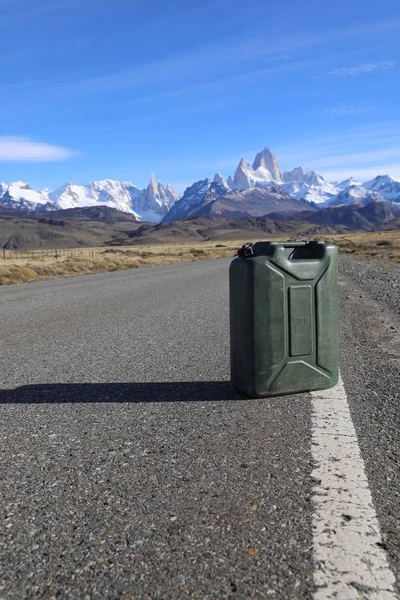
(284, 318)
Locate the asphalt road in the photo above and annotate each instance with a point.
(130, 469)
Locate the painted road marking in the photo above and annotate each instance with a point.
(350, 562)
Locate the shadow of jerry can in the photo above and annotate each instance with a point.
(284, 318)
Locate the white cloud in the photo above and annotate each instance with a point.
(216, 59)
(382, 65)
(345, 110)
(23, 149)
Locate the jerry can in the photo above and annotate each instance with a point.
(284, 318)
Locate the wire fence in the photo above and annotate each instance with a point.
(47, 254)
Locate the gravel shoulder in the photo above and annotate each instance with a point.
(381, 279)
(370, 365)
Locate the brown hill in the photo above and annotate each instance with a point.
(50, 230)
(376, 215)
(94, 213)
(205, 228)
(44, 230)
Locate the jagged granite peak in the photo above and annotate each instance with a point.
(230, 182)
(268, 161)
(220, 180)
(313, 178)
(296, 175)
(157, 198)
(244, 175)
(171, 194)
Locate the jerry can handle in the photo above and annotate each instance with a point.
(246, 250)
(249, 249)
(302, 244)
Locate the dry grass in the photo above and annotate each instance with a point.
(379, 245)
(40, 267)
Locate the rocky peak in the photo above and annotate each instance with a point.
(242, 178)
(313, 178)
(267, 160)
(296, 175)
(220, 180)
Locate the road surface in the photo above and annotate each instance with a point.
(130, 469)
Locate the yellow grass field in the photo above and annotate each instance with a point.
(23, 267)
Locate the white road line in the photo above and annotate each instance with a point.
(349, 562)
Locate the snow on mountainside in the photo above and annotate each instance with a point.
(310, 185)
(356, 194)
(318, 194)
(19, 195)
(150, 204)
(265, 172)
(266, 161)
(108, 193)
(195, 196)
(387, 186)
(347, 183)
(159, 202)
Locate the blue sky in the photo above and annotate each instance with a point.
(93, 89)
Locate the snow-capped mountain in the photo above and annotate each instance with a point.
(19, 195)
(347, 183)
(110, 193)
(196, 196)
(383, 188)
(356, 194)
(310, 185)
(150, 204)
(265, 172)
(215, 198)
(159, 202)
(267, 163)
(387, 186)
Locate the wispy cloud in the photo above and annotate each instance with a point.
(233, 55)
(346, 110)
(15, 149)
(370, 67)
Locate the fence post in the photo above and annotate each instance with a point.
(4, 254)
(56, 254)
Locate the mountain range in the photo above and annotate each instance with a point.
(150, 204)
(253, 191)
(105, 226)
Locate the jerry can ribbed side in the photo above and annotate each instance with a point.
(284, 318)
